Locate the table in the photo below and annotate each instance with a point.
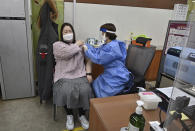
(112, 113)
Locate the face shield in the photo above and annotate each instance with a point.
(102, 35)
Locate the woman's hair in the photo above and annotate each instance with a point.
(110, 27)
(61, 32)
(53, 13)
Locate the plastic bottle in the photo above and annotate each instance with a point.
(137, 120)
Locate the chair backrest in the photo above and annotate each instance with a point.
(139, 59)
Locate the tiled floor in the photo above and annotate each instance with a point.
(29, 115)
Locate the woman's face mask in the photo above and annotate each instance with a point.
(68, 37)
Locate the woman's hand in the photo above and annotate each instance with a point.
(85, 47)
(89, 78)
(80, 43)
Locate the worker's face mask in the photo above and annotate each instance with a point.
(68, 37)
(102, 38)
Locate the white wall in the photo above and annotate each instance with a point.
(89, 17)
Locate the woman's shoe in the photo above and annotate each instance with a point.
(84, 122)
(70, 122)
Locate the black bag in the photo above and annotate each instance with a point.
(143, 40)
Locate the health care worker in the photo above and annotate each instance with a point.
(111, 55)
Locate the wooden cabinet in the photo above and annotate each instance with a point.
(152, 72)
(97, 70)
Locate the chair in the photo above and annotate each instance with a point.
(138, 60)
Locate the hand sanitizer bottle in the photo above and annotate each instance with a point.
(137, 120)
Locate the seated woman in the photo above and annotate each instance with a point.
(111, 55)
(71, 88)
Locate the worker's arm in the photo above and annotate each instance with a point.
(101, 56)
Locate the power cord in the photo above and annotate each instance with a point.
(160, 116)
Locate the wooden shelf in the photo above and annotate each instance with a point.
(161, 4)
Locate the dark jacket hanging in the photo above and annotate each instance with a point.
(45, 58)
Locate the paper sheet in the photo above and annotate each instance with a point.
(176, 92)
